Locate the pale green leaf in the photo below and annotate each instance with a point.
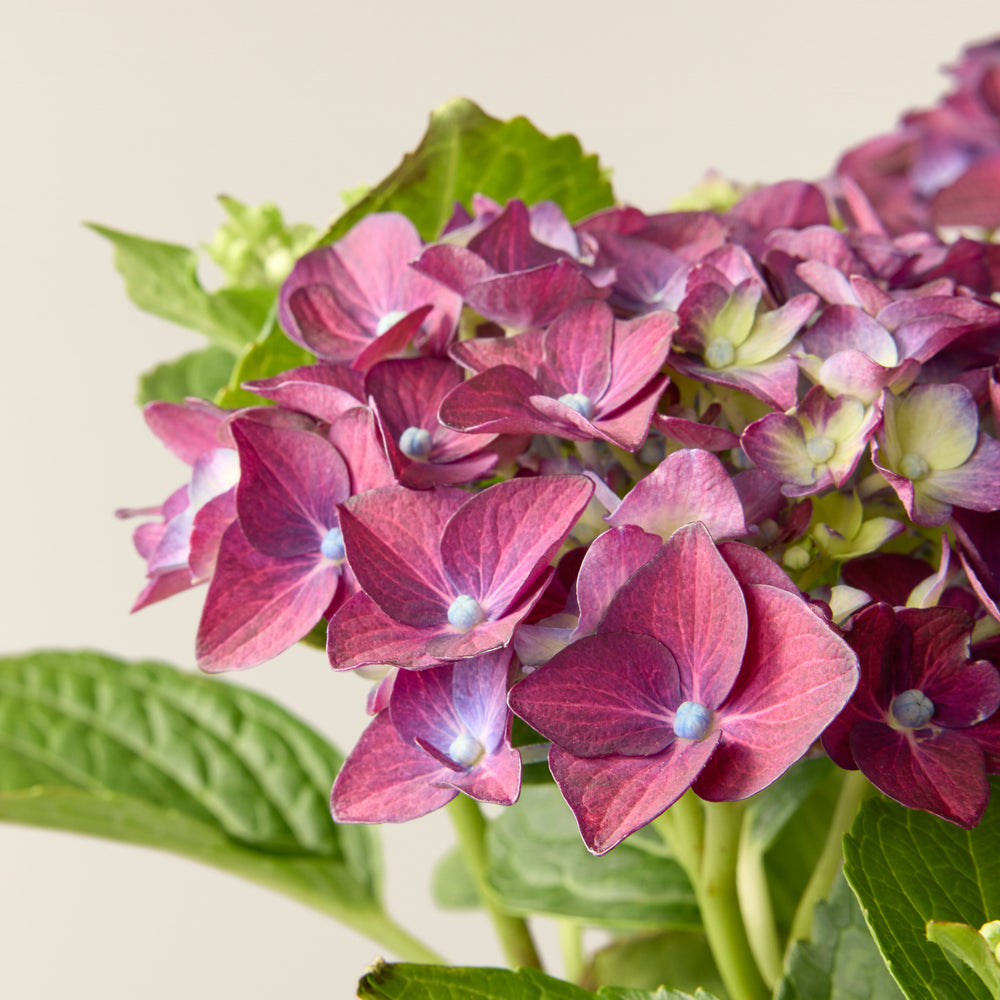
(200, 373)
(162, 278)
(539, 864)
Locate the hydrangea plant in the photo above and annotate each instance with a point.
(672, 537)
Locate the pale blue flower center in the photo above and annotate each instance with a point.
(719, 353)
(913, 466)
(692, 721)
(388, 321)
(579, 402)
(465, 613)
(465, 750)
(332, 545)
(820, 450)
(415, 442)
(912, 709)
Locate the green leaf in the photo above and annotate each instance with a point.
(465, 151)
(842, 962)
(970, 946)
(681, 958)
(162, 278)
(792, 855)
(770, 810)
(270, 354)
(255, 247)
(538, 864)
(200, 373)
(907, 868)
(144, 753)
(451, 884)
(431, 982)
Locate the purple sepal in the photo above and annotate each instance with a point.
(259, 605)
(385, 780)
(614, 796)
(687, 486)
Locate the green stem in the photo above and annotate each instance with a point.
(706, 844)
(512, 932)
(629, 463)
(382, 929)
(758, 914)
(853, 790)
(571, 946)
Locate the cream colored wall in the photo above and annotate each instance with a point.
(137, 114)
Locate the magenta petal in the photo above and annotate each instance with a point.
(750, 565)
(324, 391)
(360, 634)
(797, 675)
(688, 599)
(495, 400)
(612, 797)
(207, 529)
(611, 559)
(353, 435)
(639, 350)
(290, 484)
(604, 694)
(501, 538)
(687, 486)
(578, 350)
(187, 429)
(258, 605)
(393, 340)
(944, 775)
(496, 778)
(385, 780)
(392, 537)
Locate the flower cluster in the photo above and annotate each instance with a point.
(633, 479)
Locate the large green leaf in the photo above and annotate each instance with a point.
(144, 753)
(162, 278)
(431, 982)
(907, 868)
(842, 961)
(465, 151)
(199, 373)
(539, 864)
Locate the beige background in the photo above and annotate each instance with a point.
(136, 114)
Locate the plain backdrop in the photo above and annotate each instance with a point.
(137, 114)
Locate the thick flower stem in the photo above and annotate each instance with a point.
(512, 932)
(758, 914)
(709, 854)
(853, 790)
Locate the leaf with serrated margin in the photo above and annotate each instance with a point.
(908, 867)
(147, 754)
(842, 962)
(403, 981)
(162, 278)
(465, 151)
(539, 864)
(199, 373)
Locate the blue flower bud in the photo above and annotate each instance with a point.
(579, 402)
(912, 709)
(692, 721)
(415, 442)
(465, 613)
(465, 750)
(332, 545)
